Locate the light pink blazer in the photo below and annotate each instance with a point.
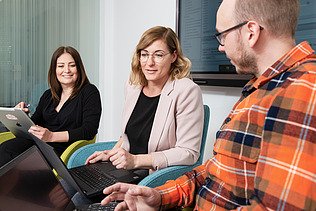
(175, 137)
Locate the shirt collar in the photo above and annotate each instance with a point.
(298, 53)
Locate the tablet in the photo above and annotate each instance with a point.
(17, 121)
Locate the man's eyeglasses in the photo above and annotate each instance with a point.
(157, 56)
(219, 36)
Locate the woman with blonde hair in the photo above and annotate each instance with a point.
(163, 112)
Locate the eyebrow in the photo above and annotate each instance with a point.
(155, 51)
(64, 62)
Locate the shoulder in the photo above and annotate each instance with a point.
(185, 84)
(89, 89)
(47, 94)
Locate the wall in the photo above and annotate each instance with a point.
(121, 24)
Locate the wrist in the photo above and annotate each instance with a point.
(136, 161)
(51, 137)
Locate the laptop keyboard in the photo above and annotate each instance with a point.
(98, 207)
(93, 177)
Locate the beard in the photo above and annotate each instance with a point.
(247, 62)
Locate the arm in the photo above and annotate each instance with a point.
(182, 191)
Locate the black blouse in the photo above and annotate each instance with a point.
(139, 125)
(79, 116)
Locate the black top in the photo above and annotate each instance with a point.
(79, 116)
(139, 125)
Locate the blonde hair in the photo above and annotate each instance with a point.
(279, 17)
(180, 68)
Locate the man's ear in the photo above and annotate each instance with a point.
(253, 30)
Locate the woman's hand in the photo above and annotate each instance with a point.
(42, 133)
(119, 157)
(98, 156)
(23, 106)
(122, 159)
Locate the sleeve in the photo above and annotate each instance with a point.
(286, 171)
(37, 116)
(189, 117)
(91, 114)
(182, 191)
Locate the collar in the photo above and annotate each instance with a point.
(288, 60)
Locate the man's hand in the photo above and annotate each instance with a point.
(133, 197)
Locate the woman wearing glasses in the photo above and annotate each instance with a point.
(163, 114)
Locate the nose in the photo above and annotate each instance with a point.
(67, 69)
(221, 48)
(150, 60)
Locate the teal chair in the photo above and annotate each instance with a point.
(155, 179)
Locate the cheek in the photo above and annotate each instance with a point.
(59, 72)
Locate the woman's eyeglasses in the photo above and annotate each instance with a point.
(156, 56)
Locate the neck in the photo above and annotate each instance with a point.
(272, 51)
(154, 89)
(67, 91)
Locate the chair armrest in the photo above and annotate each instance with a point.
(79, 157)
(161, 176)
(5, 136)
(73, 147)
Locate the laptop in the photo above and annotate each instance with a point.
(28, 183)
(89, 180)
(17, 121)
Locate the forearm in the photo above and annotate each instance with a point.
(143, 161)
(61, 136)
(181, 192)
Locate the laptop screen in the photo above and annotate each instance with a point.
(28, 183)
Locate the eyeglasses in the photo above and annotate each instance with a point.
(157, 56)
(219, 36)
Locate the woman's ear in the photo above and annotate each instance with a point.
(175, 56)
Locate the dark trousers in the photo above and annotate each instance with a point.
(12, 148)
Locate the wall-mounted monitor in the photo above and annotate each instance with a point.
(196, 20)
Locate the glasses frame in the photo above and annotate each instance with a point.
(218, 35)
(152, 55)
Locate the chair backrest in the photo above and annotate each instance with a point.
(207, 115)
(172, 172)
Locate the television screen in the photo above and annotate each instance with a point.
(196, 23)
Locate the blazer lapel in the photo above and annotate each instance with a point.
(161, 115)
(131, 103)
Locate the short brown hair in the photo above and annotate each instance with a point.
(279, 17)
(53, 82)
(180, 68)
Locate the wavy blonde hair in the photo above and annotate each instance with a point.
(180, 68)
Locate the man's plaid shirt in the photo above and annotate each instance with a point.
(265, 151)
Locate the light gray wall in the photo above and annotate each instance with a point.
(122, 22)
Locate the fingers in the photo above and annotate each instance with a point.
(23, 106)
(117, 187)
(97, 156)
(120, 159)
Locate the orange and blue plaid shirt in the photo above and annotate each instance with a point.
(265, 151)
